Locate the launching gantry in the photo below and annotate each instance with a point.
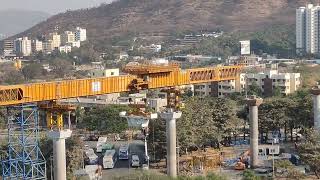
(45, 95)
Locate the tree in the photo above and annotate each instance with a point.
(274, 114)
(196, 126)
(254, 89)
(32, 71)
(309, 150)
(225, 118)
(276, 91)
(74, 154)
(105, 119)
(61, 67)
(157, 139)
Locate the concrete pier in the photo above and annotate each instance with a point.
(170, 116)
(59, 152)
(316, 106)
(253, 104)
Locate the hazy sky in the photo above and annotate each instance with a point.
(49, 6)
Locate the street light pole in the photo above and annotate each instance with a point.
(273, 159)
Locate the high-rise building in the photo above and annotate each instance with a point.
(36, 46)
(67, 37)
(47, 47)
(8, 47)
(307, 29)
(80, 34)
(300, 30)
(23, 46)
(56, 39)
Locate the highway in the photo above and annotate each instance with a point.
(122, 167)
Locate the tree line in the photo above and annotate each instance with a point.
(209, 121)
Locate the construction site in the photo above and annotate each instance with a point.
(25, 101)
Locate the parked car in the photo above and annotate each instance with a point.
(135, 162)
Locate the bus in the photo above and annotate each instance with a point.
(124, 152)
(109, 159)
(101, 142)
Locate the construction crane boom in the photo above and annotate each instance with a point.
(139, 77)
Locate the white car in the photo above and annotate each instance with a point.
(135, 162)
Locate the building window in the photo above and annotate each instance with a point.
(219, 93)
(112, 73)
(262, 80)
(102, 74)
(262, 86)
(93, 74)
(273, 80)
(219, 86)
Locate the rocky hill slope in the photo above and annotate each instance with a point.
(136, 16)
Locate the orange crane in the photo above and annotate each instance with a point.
(45, 95)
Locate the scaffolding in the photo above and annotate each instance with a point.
(24, 158)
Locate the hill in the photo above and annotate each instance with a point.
(15, 21)
(142, 16)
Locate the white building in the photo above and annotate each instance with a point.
(300, 29)
(67, 37)
(55, 39)
(268, 81)
(65, 49)
(23, 46)
(307, 28)
(80, 34)
(36, 46)
(155, 47)
(74, 44)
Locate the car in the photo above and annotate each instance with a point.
(135, 162)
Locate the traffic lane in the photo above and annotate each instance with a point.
(123, 167)
(135, 147)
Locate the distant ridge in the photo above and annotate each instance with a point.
(142, 16)
(14, 21)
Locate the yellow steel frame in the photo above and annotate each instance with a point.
(138, 79)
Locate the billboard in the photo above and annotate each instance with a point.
(245, 47)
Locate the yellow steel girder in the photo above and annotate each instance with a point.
(141, 79)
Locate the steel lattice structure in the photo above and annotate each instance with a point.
(25, 160)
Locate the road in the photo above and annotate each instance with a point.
(122, 167)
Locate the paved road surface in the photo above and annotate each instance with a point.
(122, 167)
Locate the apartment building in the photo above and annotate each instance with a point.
(307, 29)
(36, 45)
(8, 47)
(67, 37)
(55, 39)
(80, 34)
(268, 81)
(47, 47)
(65, 49)
(23, 46)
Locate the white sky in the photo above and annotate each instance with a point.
(49, 6)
